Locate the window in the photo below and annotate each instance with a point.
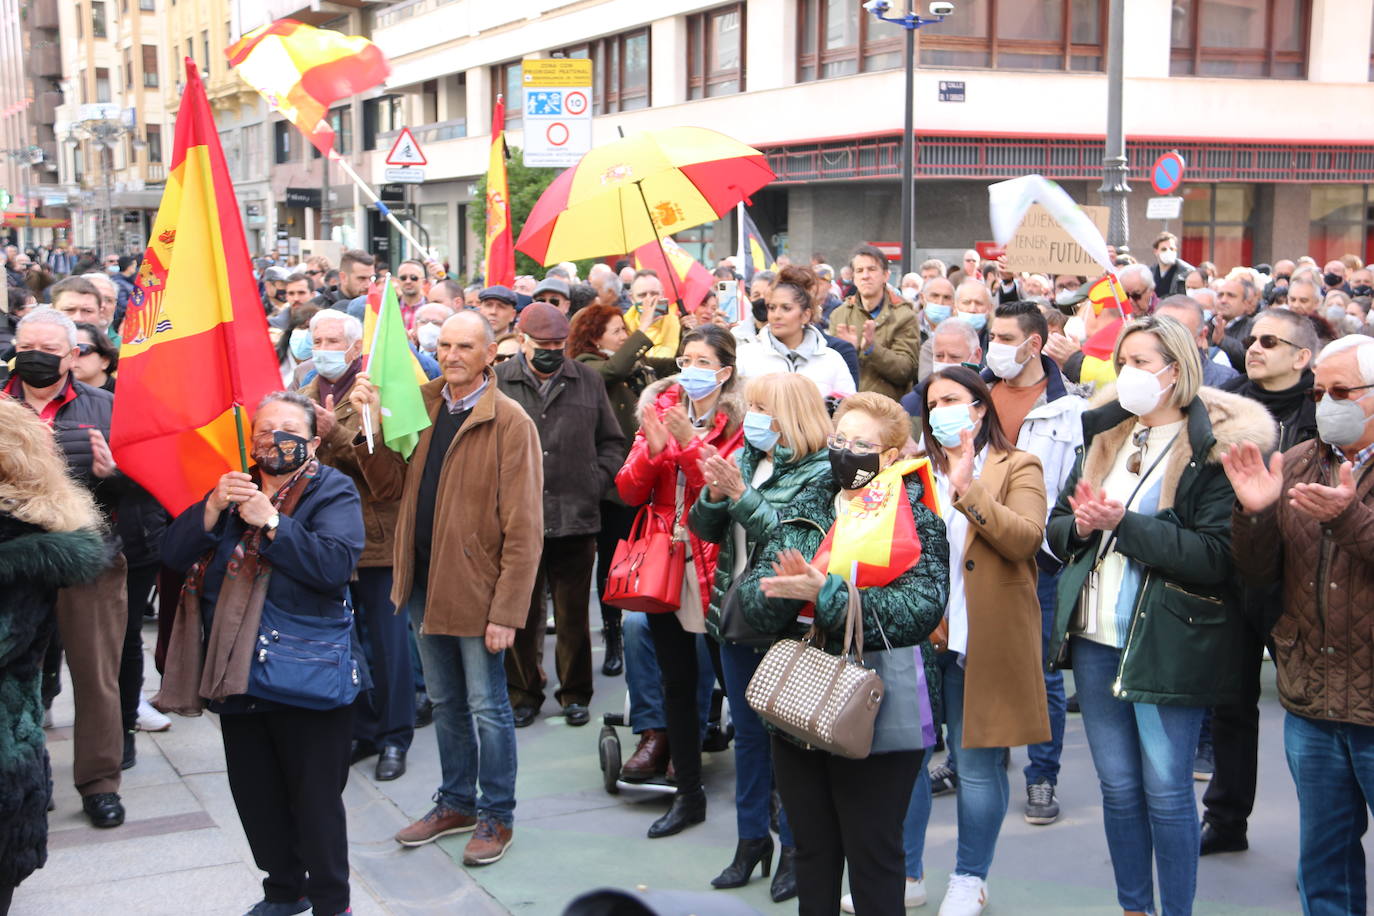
(1007, 34)
(102, 84)
(380, 116)
(1218, 224)
(837, 38)
(281, 142)
(190, 49)
(620, 71)
(434, 217)
(1242, 38)
(128, 70)
(253, 152)
(150, 66)
(715, 52)
(147, 6)
(341, 119)
(205, 49)
(80, 23)
(154, 135)
(98, 18)
(429, 101)
(1342, 221)
(506, 80)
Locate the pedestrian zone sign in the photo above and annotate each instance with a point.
(406, 150)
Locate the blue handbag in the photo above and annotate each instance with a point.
(304, 661)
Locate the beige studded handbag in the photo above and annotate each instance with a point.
(829, 702)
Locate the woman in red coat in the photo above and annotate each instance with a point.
(679, 417)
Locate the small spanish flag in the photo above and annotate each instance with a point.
(1106, 293)
(680, 271)
(301, 70)
(877, 529)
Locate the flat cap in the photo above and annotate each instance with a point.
(543, 322)
(553, 285)
(499, 293)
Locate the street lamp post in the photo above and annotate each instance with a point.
(910, 21)
(103, 131)
(1114, 168)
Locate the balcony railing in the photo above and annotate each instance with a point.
(399, 12)
(156, 171)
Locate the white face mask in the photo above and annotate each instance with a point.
(910, 294)
(1167, 257)
(1002, 360)
(1138, 390)
(1074, 328)
(938, 366)
(428, 337)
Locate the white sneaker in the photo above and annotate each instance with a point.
(915, 896)
(966, 896)
(149, 719)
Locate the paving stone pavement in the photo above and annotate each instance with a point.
(182, 850)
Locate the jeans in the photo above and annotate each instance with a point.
(385, 715)
(982, 797)
(1333, 768)
(467, 685)
(753, 759)
(644, 679)
(1044, 757)
(1143, 754)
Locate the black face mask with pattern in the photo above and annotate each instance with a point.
(287, 453)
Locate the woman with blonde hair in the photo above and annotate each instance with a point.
(785, 433)
(48, 540)
(1148, 613)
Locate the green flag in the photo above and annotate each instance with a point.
(397, 377)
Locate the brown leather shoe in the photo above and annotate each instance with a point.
(650, 757)
(488, 844)
(440, 821)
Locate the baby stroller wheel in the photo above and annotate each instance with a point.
(608, 747)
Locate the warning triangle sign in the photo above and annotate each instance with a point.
(406, 150)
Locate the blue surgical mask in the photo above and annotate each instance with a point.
(975, 320)
(330, 363)
(949, 421)
(936, 314)
(300, 344)
(759, 432)
(698, 382)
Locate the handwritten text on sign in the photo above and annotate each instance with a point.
(1042, 246)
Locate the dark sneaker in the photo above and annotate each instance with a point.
(488, 844)
(943, 780)
(440, 821)
(1204, 763)
(266, 907)
(1042, 807)
(103, 809)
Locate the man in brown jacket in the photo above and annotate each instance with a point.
(881, 325)
(468, 539)
(1308, 518)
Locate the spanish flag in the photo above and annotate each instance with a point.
(194, 337)
(680, 271)
(1106, 293)
(877, 529)
(498, 267)
(753, 252)
(301, 70)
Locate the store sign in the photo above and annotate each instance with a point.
(302, 197)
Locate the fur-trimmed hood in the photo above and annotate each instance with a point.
(53, 559)
(666, 392)
(1216, 420)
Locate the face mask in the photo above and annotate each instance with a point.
(1363, 290)
(111, 268)
(1193, 294)
(300, 344)
(698, 382)
(975, 320)
(760, 307)
(1207, 316)
(949, 421)
(1064, 296)
(759, 432)
(940, 367)
(1167, 257)
(546, 362)
(1332, 279)
(1340, 423)
(1002, 360)
(910, 294)
(330, 363)
(280, 295)
(1138, 391)
(1074, 328)
(285, 455)
(428, 336)
(854, 471)
(936, 314)
(37, 368)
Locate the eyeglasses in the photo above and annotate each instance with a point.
(1138, 440)
(857, 446)
(1337, 392)
(313, 273)
(412, 278)
(685, 362)
(1267, 341)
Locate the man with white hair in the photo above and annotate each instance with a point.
(1138, 283)
(383, 718)
(1306, 520)
(109, 302)
(954, 342)
(429, 319)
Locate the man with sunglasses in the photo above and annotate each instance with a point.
(1138, 282)
(554, 291)
(410, 288)
(1306, 520)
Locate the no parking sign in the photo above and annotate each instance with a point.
(1167, 173)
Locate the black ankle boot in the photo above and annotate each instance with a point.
(747, 854)
(614, 665)
(687, 809)
(784, 885)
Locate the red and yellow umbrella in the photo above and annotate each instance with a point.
(638, 189)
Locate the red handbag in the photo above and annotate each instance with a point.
(647, 567)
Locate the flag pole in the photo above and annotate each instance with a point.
(238, 426)
(381, 207)
(372, 348)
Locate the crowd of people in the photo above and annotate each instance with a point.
(1159, 519)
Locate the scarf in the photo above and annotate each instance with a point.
(200, 669)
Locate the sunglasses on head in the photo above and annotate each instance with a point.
(1337, 392)
(1267, 341)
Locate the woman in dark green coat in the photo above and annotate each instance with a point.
(785, 433)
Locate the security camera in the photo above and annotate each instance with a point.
(877, 6)
(941, 9)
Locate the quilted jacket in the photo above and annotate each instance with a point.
(1323, 640)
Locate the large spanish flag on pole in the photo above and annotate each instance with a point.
(499, 264)
(195, 338)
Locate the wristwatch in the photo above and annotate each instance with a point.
(272, 523)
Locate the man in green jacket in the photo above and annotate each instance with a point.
(881, 325)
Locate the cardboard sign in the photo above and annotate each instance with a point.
(1040, 245)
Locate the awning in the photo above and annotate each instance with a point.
(11, 219)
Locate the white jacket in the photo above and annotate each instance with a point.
(763, 355)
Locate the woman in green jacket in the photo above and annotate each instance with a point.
(785, 435)
(1148, 611)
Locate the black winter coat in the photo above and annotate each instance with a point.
(34, 564)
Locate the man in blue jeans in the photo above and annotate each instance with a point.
(469, 534)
